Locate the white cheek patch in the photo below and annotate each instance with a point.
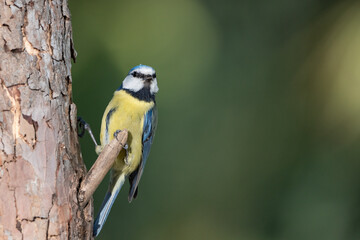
(133, 84)
(154, 87)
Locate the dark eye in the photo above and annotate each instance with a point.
(154, 75)
(134, 74)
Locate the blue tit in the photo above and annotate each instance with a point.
(133, 108)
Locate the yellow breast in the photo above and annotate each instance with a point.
(126, 112)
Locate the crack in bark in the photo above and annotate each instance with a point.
(32, 50)
(50, 91)
(17, 50)
(15, 109)
(34, 219)
(18, 226)
(68, 230)
(1, 164)
(7, 26)
(27, 80)
(16, 84)
(18, 7)
(49, 34)
(16, 208)
(67, 17)
(3, 151)
(7, 4)
(27, 45)
(48, 216)
(6, 48)
(63, 50)
(13, 94)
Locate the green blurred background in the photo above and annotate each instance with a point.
(259, 115)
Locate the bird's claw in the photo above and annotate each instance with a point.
(126, 159)
(81, 126)
(117, 132)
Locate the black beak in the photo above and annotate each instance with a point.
(148, 78)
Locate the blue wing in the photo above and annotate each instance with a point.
(150, 123)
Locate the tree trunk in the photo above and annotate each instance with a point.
(40, 161)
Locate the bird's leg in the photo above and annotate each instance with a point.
(126, 147)
(85, 126)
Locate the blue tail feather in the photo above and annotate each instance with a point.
(106, 205)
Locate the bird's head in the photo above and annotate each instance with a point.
(141, 78)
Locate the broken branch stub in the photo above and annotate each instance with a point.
(101, 166)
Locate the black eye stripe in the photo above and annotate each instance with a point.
(142, 76)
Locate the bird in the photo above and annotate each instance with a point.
(133, 107)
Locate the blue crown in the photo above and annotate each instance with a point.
(140, 66)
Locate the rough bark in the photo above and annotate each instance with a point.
(40, 162)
